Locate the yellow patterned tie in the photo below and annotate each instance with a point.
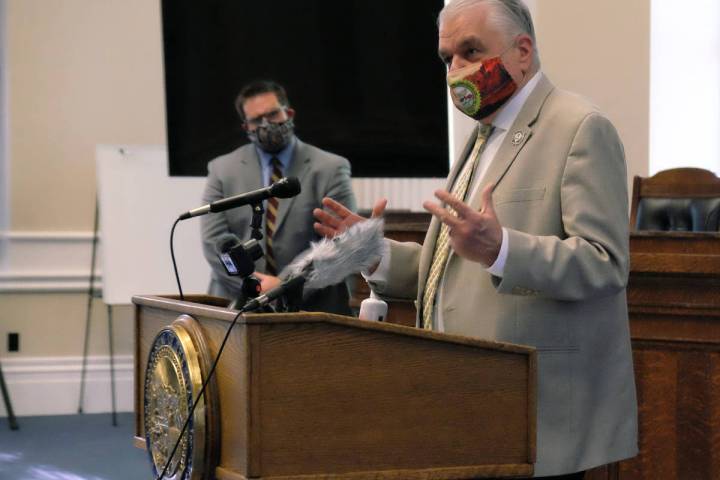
(442, 245)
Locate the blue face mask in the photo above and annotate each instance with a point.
(272, 137)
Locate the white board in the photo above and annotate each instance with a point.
(138, 204)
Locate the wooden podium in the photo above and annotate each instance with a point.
(320, 396)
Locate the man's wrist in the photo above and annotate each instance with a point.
(498, 266)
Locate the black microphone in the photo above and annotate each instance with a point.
(289, 285)
(284, 188)
(237, 258)
(226, 242)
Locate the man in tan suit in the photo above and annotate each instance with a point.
(531, 246)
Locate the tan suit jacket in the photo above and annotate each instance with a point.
(561, 192)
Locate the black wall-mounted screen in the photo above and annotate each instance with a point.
(363, 76)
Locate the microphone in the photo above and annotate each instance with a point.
(330, 261)
(286, 187)
(286, 287)
(226, 242)
(237, 258)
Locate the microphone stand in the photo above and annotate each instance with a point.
(250, 288)
(256, 223)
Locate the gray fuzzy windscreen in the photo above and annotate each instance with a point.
(330, 261)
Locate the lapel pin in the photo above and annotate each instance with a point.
(517, 138)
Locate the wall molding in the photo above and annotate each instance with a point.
(51, 385)
(401, 193)
(48, 262)
(44, 236)
(47, 282)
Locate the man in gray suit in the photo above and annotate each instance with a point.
(531, 246)
(274, 152)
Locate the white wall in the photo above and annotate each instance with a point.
(4, 180)
(685, 85)
(78, 73)
(600, 49)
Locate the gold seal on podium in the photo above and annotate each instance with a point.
(173, 379)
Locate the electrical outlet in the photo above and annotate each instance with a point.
(13, 342)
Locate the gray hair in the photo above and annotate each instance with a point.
(510, 17)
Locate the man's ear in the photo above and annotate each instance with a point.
(526, 47)
(290, 112)
(244, 126)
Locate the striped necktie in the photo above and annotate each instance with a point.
(270, 219)
(442, 245)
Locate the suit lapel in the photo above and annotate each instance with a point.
(299, 167)
(250, 177)
(516, 138)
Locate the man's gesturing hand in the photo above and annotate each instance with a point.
(474, 235)
(339, 218)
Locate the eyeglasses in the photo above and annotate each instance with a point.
(271, 116)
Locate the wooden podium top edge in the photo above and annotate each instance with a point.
(172, 303)
(440, 473)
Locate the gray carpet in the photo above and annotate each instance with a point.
(72, 447)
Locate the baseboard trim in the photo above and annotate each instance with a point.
(51, 385)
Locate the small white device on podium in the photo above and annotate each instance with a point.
(373, 308)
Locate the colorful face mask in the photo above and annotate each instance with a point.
(480, 89)
(273, 137)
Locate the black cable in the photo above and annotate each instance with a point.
(172, 255)
(202, 391)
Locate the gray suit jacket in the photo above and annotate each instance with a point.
(561, 193)
(320, 173)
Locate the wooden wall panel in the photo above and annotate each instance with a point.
(714, 416)
(656, 381)
(692, 415)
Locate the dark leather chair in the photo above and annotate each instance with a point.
(679, 199)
